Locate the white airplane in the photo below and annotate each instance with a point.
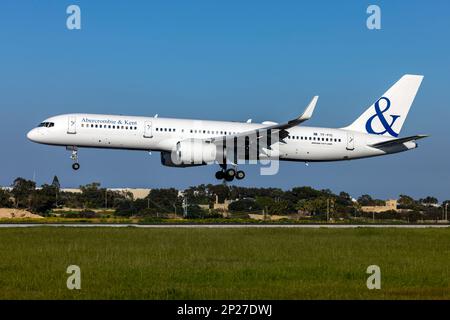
(185, 143)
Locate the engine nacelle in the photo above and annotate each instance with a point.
(190, 153)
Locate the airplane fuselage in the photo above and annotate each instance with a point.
(162, 134)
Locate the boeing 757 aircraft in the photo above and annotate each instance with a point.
(185, 143)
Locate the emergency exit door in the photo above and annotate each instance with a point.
(350, 141)
(148, 132)
(72, 125)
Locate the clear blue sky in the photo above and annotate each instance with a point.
(224, 60)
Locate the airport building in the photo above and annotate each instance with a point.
(391, 205)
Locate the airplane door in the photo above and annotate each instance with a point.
(72, 125)
(350, 141)
(148, 130)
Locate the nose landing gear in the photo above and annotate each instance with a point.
(74, 157)
(230, 174)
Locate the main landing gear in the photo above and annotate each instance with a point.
(74, 157)
(230, 174)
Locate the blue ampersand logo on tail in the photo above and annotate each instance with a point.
(380, 115)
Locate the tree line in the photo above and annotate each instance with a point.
(318, 204)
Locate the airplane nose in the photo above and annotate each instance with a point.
(32, 135)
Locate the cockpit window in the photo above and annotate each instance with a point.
(46, 124)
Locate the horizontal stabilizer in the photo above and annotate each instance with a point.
(394, 142)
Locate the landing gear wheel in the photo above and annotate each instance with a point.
(230, 174)
(220, 175)
(240, 175)
(76, 166)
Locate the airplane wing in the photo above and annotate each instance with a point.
(273, 130)
(260, 140)
(394, 142)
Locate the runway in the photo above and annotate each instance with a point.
(227, 226)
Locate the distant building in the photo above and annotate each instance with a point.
(391, 205)
(435, 205)
(221, 206)
(138, 193)
(70, 190)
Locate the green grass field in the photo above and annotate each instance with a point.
(224, 263)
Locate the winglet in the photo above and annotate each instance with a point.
(307, 114)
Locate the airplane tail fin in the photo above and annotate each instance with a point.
(386, 116)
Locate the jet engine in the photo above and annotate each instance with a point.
(189, 153)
